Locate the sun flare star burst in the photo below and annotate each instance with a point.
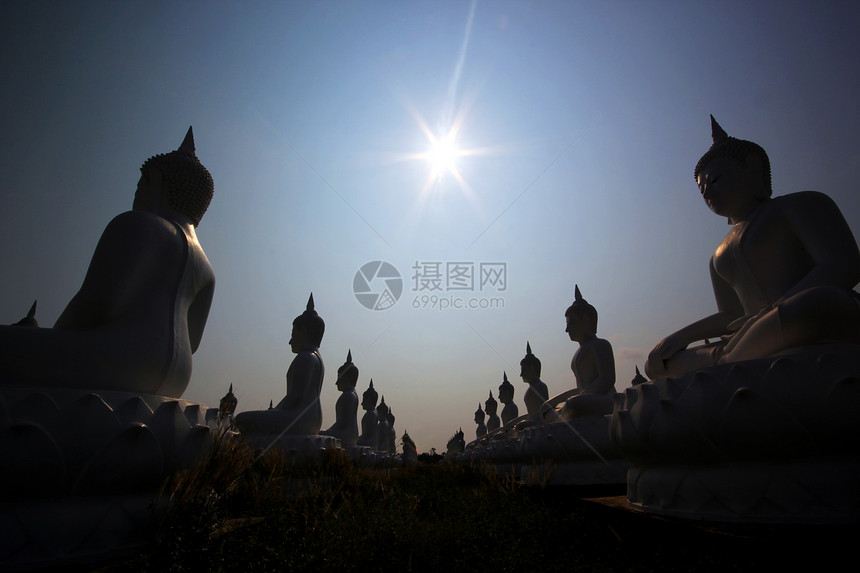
(442, 156)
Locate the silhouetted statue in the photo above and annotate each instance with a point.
(141, 310)
(227, 406)
(370, 420)
(506, 397)
(300, 411)
(383, 427)
(481, 430)
(392, 434)
(593, 364)
(782, 276)
(537, 393)
(345, 427)
(456, 444)
(491, 406)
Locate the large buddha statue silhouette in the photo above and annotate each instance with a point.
(299, 412)
(782, 276)
(141, 310)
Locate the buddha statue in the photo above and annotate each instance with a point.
(392, 434)
(537, 393)
(143, 305)
(481, 430)
(227, 407)
(383, 428)
(637, 378)
(782, 276)
(593, 363)
(299, 412)
(491, 406)
(410, 451)
(370, 420)
(345, 427)
(456, 444)
(506, 397)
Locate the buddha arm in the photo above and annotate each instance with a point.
(300, 383)
(729, 308)
(826, 238)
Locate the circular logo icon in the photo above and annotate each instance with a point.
(377, 285)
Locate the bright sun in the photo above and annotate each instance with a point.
(442, 156)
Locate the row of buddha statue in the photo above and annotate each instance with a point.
(783, 280)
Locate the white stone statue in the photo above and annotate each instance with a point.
(370, 420)
(481, 430)
(383, 427)
(537, 393)
(506, 397)
(782, 276)
(491, 406)
(345, 427)
(299, 413)
(761, 424)
(593, 364)
(141, 310)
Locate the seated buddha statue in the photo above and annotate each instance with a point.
(537, 393)
(782, 276)
(383, 427)
(593, 363)
(141, 310)
(299, 412)
(370, 419)
(392, 433)
(345, 427)
(481, 430)
(506, 397)
(491, 406)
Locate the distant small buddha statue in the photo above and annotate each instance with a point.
(370, 420)
(593, 364)
(782, 276)
(410, 451)
(392, 434)
(491, 406)
(456, 444)
(345, 427)
(506, 397)
(481, 430)
(299, 412)
(227, 407)
(143, 305)
(537, 393)
(383, 428)
(30, 319)
(638, 378)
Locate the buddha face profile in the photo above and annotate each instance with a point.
(580, 318)
(732, 188)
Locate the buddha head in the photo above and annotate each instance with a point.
(581, 318)
(479, 415)
(491, 405)
(529, 366)
(347, 374)
(308, 329)
(382, 410)
(369, 398)
(187, 185)
(744, 168)
(506, 390)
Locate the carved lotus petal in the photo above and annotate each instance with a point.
(840, 424)
(134, 410)
(170, 427)
(36, 407)
(196, 445)
(674, 436)
(755, 428)
(84, 427)
(34, 465)
(195, 415)
(702, 403)
(626, 438)
(792, 384)
(130, 461)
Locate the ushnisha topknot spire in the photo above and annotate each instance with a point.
(188, 184)
(576, 294)
(349, 355)
(528, 348)
(310, 305)
(738, 149)
(348, 372)
(30, 319)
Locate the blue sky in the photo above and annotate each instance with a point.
(584, 121)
